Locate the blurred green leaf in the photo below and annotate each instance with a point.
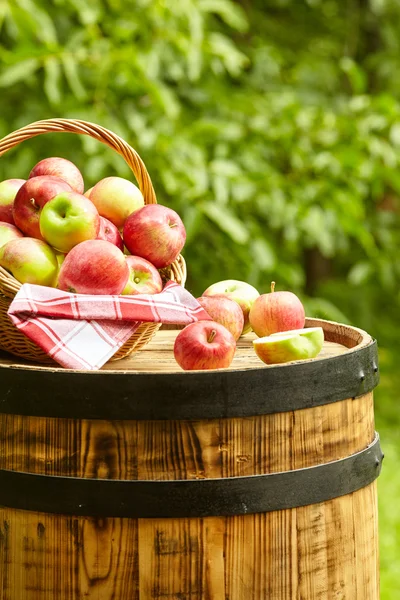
(18, 72)
(71, 71)
(360, 273)
(52, 80)
(226, 221)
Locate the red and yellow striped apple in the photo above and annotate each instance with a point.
(143, 277)
(276, 312)
(62, 168)
(241, 292)
(156, 233)
(110, 233)
(224, 311)
(204, 345)
(94, 267)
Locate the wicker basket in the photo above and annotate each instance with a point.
(11, 339)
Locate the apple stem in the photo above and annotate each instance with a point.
(211, 336)
(173, 225)
(272, 286)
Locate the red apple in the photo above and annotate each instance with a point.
(8, 232)
(69, 219)
(8, 191)
(62, 168)
(276, 312)
(109, 232)
(30, 199)
(204, 345)
(156, 233)
(241, 292)
(94, 267)
(224, 311)
(116, 198)
(143, 277)
(30, 261)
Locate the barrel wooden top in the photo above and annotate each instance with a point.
(158, 356)
(150, 385)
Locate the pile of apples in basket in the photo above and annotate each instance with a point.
(107, 241)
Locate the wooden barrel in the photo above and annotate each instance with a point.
(142, 482)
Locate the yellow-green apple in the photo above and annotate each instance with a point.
(60, 167)
(225, 311)
(94, 267)
(116, 198)
(143, 277)
(156, 233)
(276, 312)
(60, 256)
(30, 199)
(109, 232)
(8, 232)
(241, 292)
(30, 260)
(69, 219)
(8, 191)
(204, 345)
(88, 192)
(298, 344)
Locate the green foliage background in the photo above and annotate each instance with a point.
(272, 127)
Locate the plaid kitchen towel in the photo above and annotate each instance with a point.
(81, 331)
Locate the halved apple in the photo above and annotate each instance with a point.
(298, 344)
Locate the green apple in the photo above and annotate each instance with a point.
(67, 220)
(241, 292)
(30, 260)
(298, 344)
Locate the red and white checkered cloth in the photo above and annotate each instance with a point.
(81, 331)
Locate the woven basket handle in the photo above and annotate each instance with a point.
(95, 131)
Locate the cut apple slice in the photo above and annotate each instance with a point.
(287, 346)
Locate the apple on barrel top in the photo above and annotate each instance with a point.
(204, 345)
(241, 292)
